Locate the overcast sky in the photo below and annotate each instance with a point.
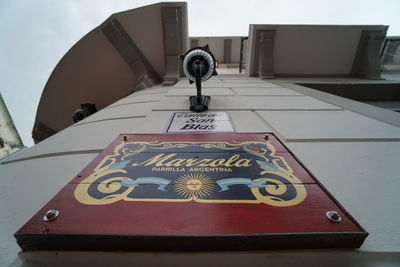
(36, 34)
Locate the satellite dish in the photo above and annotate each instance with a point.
(199, 65)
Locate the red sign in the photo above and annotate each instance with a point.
(192, 192)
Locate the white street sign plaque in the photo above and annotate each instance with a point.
(200, 122)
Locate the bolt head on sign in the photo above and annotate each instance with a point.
(333, 216)
(51, 215)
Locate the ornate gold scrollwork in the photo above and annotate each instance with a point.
(108, 186)
(104, 186)
(276, 190)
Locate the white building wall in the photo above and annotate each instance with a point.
(10, 139)
(355, 157)
(216, 45)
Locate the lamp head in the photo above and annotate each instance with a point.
(199, 57)
(199, 65)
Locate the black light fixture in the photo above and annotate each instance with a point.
(199, 65)
(86, 110)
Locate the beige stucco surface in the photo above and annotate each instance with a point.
(354, 156)
(311, 49)
(252, 102)
(95, 70)
(263, 91)
(330, 125)
(205, 91)
(364, 177)
(216, 44)
(26, 186)
(230, 84)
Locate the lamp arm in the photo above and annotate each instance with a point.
(198, 79)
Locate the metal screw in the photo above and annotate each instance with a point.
(51, 215)
(334, 216)
(125, 138)
(266, 136)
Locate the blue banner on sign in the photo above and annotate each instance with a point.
(225, 183)
(161, 182)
